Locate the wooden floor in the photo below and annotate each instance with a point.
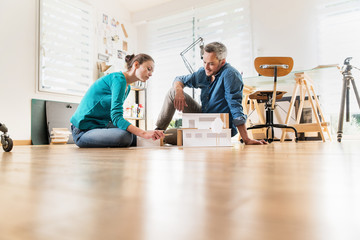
(309, 190)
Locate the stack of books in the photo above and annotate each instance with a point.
(59, 136)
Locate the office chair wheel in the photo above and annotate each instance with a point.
(8, 144)
(269, 140)
(242, 141)
(296, 139)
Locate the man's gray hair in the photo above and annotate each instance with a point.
(218, 48)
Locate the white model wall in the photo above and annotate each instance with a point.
(18, 27)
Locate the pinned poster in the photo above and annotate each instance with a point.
(124, 31)
(105, 18)
(125, 46)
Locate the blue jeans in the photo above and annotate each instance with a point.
(110, 136)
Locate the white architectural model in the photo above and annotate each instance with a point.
(205, 129)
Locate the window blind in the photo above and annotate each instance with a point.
(66, 43)
(166, 38)
(339, 35)
(339, 38)
(227, 21)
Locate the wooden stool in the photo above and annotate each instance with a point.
(271, 67)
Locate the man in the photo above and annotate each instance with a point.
(221, 92)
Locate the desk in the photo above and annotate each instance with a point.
(302, 81)
(320, 73)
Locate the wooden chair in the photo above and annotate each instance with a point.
(272, 67)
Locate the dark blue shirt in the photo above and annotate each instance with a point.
(223, 95)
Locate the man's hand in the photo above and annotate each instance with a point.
(179, 101)
(255, 142)
(246, 139)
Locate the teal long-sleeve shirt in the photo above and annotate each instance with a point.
(102, 103)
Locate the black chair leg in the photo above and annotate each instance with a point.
(272, 126)
(288, 127)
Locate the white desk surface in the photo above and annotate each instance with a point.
(318, 75)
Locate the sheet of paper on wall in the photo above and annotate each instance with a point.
(125, 46)
(115, 38)
(103, 57)
(124, 31)
(105, 19)
(120, 54)
(113, 22)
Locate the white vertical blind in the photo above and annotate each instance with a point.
(227, 21)
(166, 38)
(339, 38)
(66, 44)
(339, 35)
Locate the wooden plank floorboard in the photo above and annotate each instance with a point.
(305, 191)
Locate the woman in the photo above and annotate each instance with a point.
(99, 121)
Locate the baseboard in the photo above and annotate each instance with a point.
(21, 142)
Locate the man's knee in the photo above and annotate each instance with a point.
(171, 93)
(171, 137)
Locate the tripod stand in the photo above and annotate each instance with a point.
(345, 96)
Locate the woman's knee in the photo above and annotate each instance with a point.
(125, 140)
(93, 139)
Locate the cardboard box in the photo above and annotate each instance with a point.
(142, 142)
(203, 120)
(205, 138)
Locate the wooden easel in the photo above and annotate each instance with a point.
(252, 105)
(305, 85)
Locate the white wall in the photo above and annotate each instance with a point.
(18, 27)
(286, 28)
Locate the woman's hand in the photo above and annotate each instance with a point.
(153, 134)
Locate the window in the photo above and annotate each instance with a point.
(65, 57)
(339, 38)
(227, 21)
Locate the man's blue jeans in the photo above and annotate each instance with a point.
(110, 136)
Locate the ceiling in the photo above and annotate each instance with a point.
(138, 5)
